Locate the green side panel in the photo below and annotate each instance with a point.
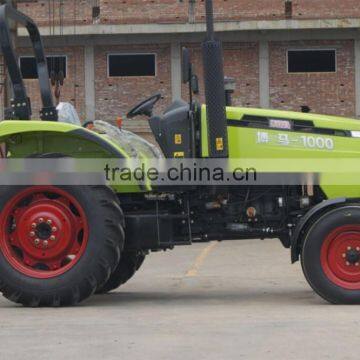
(244, 144)
(320, 121)
(25, 138)
(204, 133)
(15, 126)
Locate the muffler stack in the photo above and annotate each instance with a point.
(214, 89)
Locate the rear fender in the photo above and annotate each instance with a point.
(26, 138)
(23, 139)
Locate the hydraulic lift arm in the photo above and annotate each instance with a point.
(20, 105)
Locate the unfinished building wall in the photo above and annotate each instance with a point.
(177, 11)
(241, 61)
(73, 90)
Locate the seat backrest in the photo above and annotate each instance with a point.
(172, 131)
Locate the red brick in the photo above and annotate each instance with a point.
(241, 61)
(325, 93)
(115, 96)
(328, 93)
(74, 87)
(174, 11)
(75, 12)
(140, 11)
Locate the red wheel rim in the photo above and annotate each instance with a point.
(340, 257)
(44, 231)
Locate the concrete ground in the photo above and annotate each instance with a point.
(228, 300)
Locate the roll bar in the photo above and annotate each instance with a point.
(20, 104)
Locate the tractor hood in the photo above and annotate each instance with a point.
(317, 120)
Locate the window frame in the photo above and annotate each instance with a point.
(129, 54)
(47, 56)
(311, 49)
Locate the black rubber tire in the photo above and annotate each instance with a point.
(130, 263)
(311, 255)
(102, 254)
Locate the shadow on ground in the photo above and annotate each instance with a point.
(193, 298)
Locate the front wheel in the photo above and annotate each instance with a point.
(58, 244)
(331, 255)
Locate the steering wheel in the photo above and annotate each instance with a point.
(144, 108)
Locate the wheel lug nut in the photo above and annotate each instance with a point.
(344, 255)
(36, 241)
(33, 225)
(32, 233)
(45, 243)
(347, 263)
(49, 222)
(52, 238)
(41, 220)
(54, 229)
(357, 264)
(358, 249)
(349, 248)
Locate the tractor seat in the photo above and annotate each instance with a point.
(176, 105)
(172, 130)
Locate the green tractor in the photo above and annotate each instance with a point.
(61, 244)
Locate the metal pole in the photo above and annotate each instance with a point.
(209, 19)
(8, 93)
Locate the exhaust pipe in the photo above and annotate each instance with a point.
(214, 89)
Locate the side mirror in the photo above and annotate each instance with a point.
(186, 66)
(195, 84)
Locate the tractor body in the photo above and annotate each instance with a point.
(45, 231)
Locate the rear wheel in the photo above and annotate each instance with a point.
(130, 262)
(331, 255)
(58, 244)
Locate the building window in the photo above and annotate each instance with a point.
(55, 63)
(311, 61)
(96, 11)
(131, 65)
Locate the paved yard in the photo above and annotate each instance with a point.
(228, 300)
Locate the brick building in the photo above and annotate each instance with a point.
(283, 54)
